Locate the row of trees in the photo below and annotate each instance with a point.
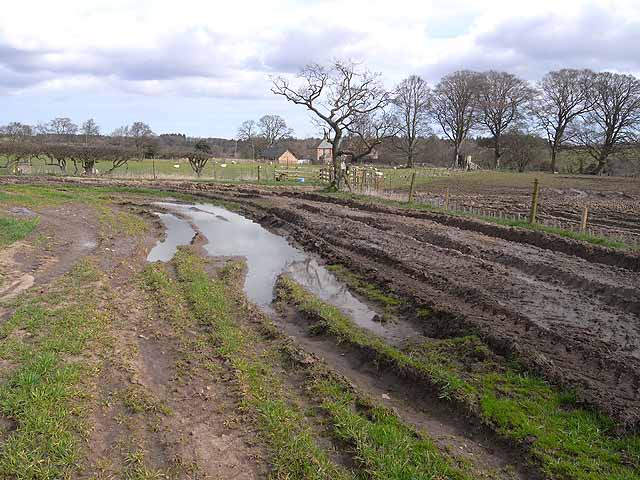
(56, 143)
(83, 157)
(597, 112)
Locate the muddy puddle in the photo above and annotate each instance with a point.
(267, 255)
(179, 232)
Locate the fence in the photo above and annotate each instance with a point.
(574, 221)
(219, 170)
(389, 183)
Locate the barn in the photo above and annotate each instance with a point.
(282, 155)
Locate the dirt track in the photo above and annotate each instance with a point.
(576, 321)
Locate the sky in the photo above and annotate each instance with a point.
(203, 67)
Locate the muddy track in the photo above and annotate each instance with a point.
(528, 295)
(592, 253)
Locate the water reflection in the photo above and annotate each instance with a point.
(179, 232)
(267, 256)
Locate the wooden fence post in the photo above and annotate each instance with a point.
(413, 179)
(446, 199)
(585, 216)
(259, 167)
(534, 202)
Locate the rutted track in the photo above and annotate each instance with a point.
(576, 321)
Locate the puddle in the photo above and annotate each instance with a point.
(269, 255)
(179, 232)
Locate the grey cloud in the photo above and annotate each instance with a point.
(598, 39)
(295, 48)
(598, 36)
(195, 53)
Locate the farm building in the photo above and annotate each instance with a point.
(323, 151)
(282, 155)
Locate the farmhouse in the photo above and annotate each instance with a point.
(282, 155)
(323, 151)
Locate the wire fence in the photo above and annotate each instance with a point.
(399, 185)
(516, 213)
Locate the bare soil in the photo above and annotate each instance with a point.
(564, 308)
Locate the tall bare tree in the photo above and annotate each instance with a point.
(339, 95)
(502, 102)
(63, 126)
(455, 107)
(247, 132)
(89, 129)
(563, 96)
(613, 122)
(412, 103)
(366, 132)
(140, 132)
(273, 128)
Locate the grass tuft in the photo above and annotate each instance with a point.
(13, 229)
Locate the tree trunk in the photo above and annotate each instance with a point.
(456, 157)
(410, 160)
(496, 152)
(602, 162)
(553, 159)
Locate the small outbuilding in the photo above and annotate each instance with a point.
(281, 155)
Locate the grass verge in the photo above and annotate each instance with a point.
(42, 395)
(567, 441)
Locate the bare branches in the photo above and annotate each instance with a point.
(502, 101)
(613, 121)
(273, 128)
(563, 96)
(365, 133)
(198, 160)
(455, 107)
(57, 154)
(412, 105)
(341, 96)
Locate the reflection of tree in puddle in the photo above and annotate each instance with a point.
(322, 283)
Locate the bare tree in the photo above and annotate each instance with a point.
(412, 103)
(502, 101)
(198, 160)
(16, 131)
(121, 132)
(613, 121)
(455, 107)
(523, 148)
(63, 126)
(339, 95)
(14, 152)
(42, 128)
(366, 132)
(247, 132)
(273, 128)
(563, 96)
(140, 132)
(89, 129)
